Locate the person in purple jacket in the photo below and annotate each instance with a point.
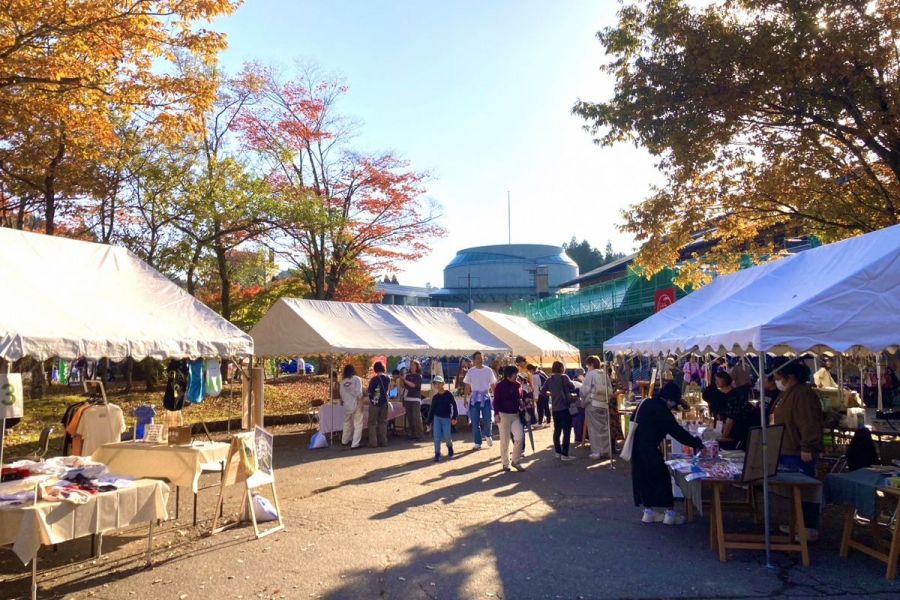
(508, 403)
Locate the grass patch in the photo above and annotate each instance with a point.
(283, 396)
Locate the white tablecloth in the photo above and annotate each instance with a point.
(45, 523)
(179, 465)
(331, 416)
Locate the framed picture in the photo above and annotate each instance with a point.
(755, 468)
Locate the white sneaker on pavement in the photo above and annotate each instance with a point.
(490, 442)
(595, 455)
(652, 517)
(672, 518)
(568, 458)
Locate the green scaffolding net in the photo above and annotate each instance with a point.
(590, 316)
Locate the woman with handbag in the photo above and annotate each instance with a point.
(650, 479)
(595, 392)
(561, 390)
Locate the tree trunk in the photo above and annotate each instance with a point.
(50, 191)
(38, 381)
(151, 373)
(192, 269)
(129, 373)
(224, 279)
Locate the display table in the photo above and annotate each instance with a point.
(795, 486)
(331, 416)
(860, 491)
(28, 527)
(179, 465)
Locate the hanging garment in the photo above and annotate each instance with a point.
(213, 377)
(176, 385)
(68, 416)
(196, 382)
(144, 415)
(100, 424)
(63, 372)
(72, 429)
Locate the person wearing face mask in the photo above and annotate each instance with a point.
(800, 411)
(731, 407)
(650, 477)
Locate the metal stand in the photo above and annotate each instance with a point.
(765, 458)
(2, 440)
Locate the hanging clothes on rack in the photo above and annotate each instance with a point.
(70, 420)
(176, 385)
(100, 424)
(213, 377)
(196, 382)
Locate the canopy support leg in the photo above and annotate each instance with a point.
(878, 377)
(765, 459)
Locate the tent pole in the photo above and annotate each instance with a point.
(765, 457)
(878, 377)
(840, 381)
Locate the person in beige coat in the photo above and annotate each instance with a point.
(596, 391)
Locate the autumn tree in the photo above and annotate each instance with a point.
(768, 118)
(346, 214)
(71, 72)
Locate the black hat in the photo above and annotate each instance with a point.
(670, 392)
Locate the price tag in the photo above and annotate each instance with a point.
(11, 394)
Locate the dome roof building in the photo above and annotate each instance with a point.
(496, 276)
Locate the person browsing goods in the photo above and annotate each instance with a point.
(480, 381)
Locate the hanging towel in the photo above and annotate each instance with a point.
(196, 382)
(213, 377)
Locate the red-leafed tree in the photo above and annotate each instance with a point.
(346, 214)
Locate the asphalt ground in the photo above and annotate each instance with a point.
(390, 523)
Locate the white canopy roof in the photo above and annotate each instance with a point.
(843, 297)
(537, 345)
(294, 327)
(69, 298)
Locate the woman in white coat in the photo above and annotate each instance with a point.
(351, 397)
(595, 393)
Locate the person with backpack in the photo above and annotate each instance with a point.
(379, 407)
(542, 400)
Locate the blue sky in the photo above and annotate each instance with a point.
(479, 94)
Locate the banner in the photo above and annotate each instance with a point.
(665, 298)
(11, 394)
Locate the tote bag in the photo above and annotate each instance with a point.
(628, 446)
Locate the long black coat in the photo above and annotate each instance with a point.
(649, 476)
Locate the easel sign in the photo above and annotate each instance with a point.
(249, 463)
(11, 406)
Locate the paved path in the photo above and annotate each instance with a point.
(389, 523)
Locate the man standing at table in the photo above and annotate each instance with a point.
(480, 381)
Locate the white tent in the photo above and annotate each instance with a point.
(538, 346)
(68, 298)
(294, 327)
(842, 297)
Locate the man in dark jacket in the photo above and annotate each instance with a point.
(650, 477)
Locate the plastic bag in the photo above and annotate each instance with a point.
(318, 440)
(263, 510)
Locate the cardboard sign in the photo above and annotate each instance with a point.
(12, 393)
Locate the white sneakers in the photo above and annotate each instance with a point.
(673, 518)
(490, 442)
(670, 517)
(651, 516)
(595, 455)
(567, 458)
(476, 447)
